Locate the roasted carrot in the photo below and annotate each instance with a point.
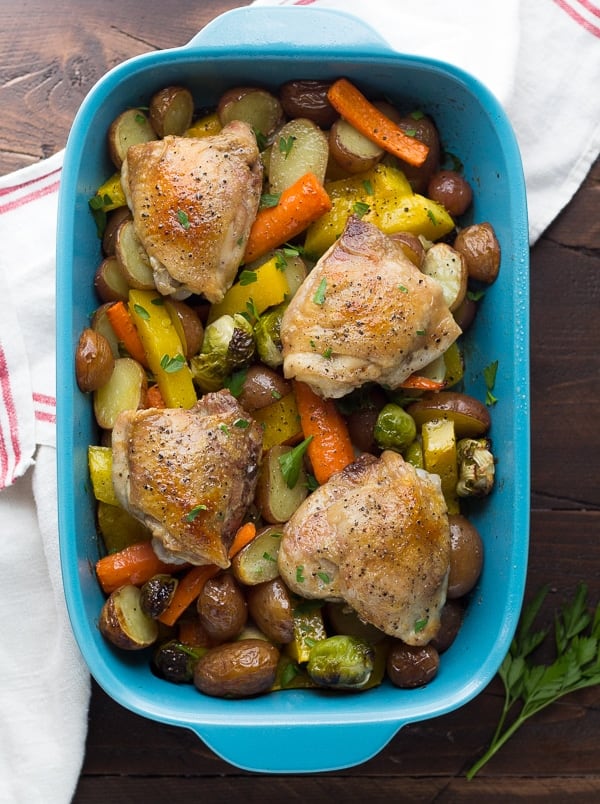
(330, 449)
(125, 330)
(299, 205)
(420, 383)
(135, 564)
(189, 587)
(376, 126)
(243, 536)
(154, 398)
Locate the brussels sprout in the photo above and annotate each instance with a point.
(267, 336)
(341, 662)
(395, 428)
(414, 454)
(476, 468)
(228, 345)
(175, 661)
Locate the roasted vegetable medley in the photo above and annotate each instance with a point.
(286, 455)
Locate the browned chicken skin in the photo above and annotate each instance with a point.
(189, 475)
(364, 314)
(376, 535)
(193, 202)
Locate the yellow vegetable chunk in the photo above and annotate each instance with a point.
(100, 469)
(206, 126)
(112, 188)
(382, 196)
(118, 528)
(163, 348)
(280, 422)
(439, 457)
(263, 287)
(309, 628)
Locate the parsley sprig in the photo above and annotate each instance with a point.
(534, 687)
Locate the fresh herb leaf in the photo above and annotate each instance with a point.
(261, 140)
(269, 200)
(417, 114)
(489, 375)
(319, 297)
(158, 301)
(300, 574)
(324, 577)
(141, 311)
(402, 288)
(242, 424)
(420, 624)
(194, 512)
(268, 557)
(172, 364)
(183, 218)
(247, 277)
(235, 382)
(224, 429)
(327, 353)
(290, 462)
(410, 132)
(432, 217)
(98, 205)
(140, 118)
(368, 186)
(421, 332)
(286, 144)
(531, 687)
(475, 295)
(360, 209)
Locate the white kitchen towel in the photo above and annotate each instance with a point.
(541, 59)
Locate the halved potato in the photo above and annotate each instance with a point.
(94, 361)
(100, 323)
(448, 267)
(276, 502)
(352, 151)
(255, 106)
(132, 258)
(123, 622)
(130, 128)
(188, 325)
(171, 110)
(110, 282)
(471, 417)
(257, 562)
(299, 147)
(126, 390)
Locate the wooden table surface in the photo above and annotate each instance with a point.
(52, 55)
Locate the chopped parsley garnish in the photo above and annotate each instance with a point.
(235, 382)
(158, 301)
(289, 673)
(141, 311)
(194, 512)
(183, 219)
(261, 140)
(286, 144)
(269, 200)
(268, 557)
(420, 624)
(368, 187)
(140, 118)
(410, 132)
(327, 353)
(324, 577)
(98, 205)
(291, 462)
(319, 297)
(247, 277)
(421, 332)
(475, 295)
(360, 208)
(243, 424)
(432, 217)
(224, 429)
(172, 364)
(417, 114)
(402, 288)
(300, 574)
(489, 375)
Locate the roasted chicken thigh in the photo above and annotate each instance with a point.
(189, 475)
(376, 536)
(364, 314)
(193, 202)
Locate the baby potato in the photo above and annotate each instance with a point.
(188, 325)
(308, 98)
(125, 390)
(481, 250)
(171, 111)
(261, 387)
(253, 105)
(94, 361)
(222, 608)
(270, 607)
(275, 500)
(452, 190)
(123, 621)
(299, 147)
(411, 246)
(257, 561)
(109, 282)
(466, 556)
(130, 128)
(470, 416)
(353, 152)
(422, 128)
(410, 666)
(132, 257)
(237, 669)
(449, 268)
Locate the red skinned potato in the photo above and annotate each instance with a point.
(255, 106)
(308, 98)
(481, 250)
(94, 361)
(451, 190)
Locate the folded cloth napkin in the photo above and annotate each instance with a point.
(542, 61)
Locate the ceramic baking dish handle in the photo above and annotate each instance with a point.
(315, 748)
(291, 27)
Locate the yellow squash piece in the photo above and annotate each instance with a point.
(118, 528)
(206, 126)
(261, 288)
(382, 196)
(280, 422)
(112, 188)
(100, 469)
(309, 628)
(163, 348)
(439, 457)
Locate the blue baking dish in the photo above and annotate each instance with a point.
(304, 730)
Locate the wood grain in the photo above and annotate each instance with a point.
(52, 55)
